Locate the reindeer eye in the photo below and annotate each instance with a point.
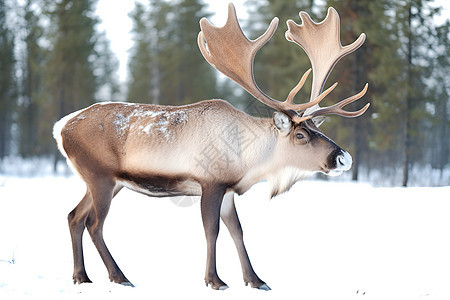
(300, 136)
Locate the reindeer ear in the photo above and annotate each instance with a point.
(318, 120)
(282, 121)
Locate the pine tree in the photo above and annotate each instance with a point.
(195, 79)
(438, 139)
(73, 50)
(106, 65)
(166, 65)
(142, 57)
(413, 18)
(8, 85)
(33, 60)
(401, 60)
(386, 83)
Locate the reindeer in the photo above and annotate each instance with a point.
(209, 148)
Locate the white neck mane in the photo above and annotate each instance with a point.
(284, 179)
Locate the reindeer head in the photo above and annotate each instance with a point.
(303, 144)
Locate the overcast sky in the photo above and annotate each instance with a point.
(117, 24)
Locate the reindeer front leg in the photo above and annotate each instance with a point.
(230, 218)
(211, 202)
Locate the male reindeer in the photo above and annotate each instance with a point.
(155, 150)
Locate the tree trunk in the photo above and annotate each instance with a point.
(407, 108)
(443, 139)
(357, 132)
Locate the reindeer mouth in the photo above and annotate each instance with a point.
(331, 172)
(334, 172)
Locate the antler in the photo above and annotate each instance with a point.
(337, 108)
(229, 51)
(321, 42)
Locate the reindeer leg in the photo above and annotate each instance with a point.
(210, 208)
(230, 218)
(76, 220)
(102, 193)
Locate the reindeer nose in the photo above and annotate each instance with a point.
(343, 161)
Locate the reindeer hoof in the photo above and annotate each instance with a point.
(81, 278)
(127, 283)
(221, 287)
(264, 287)
(119, 278)
(258, 284)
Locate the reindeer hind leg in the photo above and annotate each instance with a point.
(77, 218)
(102, 193)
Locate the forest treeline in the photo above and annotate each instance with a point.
(54, 60)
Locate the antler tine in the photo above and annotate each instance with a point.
(231, 52)
(337, 108)
(298, 87)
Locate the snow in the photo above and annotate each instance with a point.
(320, 240)
(157, 118)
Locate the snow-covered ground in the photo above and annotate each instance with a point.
(321, 240)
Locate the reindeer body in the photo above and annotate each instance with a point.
(208, 149)
(165, 151)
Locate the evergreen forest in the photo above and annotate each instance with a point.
(54, 60)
